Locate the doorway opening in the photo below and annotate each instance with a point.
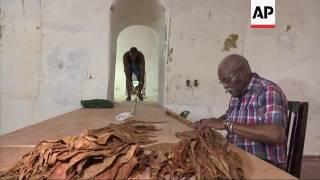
(139, 23)
(146, 41)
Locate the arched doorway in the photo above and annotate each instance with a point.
(146, 40)
(147, 13)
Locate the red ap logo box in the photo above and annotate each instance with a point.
(263, 14)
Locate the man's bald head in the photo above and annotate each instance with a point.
(234, 61)
(234, 73)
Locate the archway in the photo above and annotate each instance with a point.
(146, 40)
(149, 13)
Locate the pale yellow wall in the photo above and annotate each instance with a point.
(50, 48)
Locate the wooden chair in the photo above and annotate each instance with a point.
(295, 133)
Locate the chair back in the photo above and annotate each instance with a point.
(295, 133)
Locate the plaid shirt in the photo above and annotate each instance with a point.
(262, 103)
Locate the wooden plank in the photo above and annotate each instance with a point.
(179, 118)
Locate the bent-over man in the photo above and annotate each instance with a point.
(133, 61)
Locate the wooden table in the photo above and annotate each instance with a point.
(14, 145)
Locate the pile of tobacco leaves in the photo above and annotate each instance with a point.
(123, 151)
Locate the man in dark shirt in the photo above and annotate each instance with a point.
(257, 114)
(133, 62)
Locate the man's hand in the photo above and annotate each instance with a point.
(201, 124)
(211, 123)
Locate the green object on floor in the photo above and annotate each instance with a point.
(97, 103)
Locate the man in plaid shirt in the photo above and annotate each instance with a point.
(257, 113)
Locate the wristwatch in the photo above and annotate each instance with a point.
(228, 125)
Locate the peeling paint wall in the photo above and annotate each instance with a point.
(20, 63)
(289, 55)
(48, 51)
(197, 37)
(53, 53)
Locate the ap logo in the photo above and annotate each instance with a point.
(263, 14)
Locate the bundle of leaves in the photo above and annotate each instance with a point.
(106, 153)
(197, 155)
(122, 151)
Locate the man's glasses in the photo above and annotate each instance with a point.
(227, 80)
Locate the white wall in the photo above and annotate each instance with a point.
(47, 50)
(146, 41)
(290, 57)
(20, 63)
(43, 70)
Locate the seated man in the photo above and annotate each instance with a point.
(133, 62)
(257, 113)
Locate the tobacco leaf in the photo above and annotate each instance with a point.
(116, 152)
